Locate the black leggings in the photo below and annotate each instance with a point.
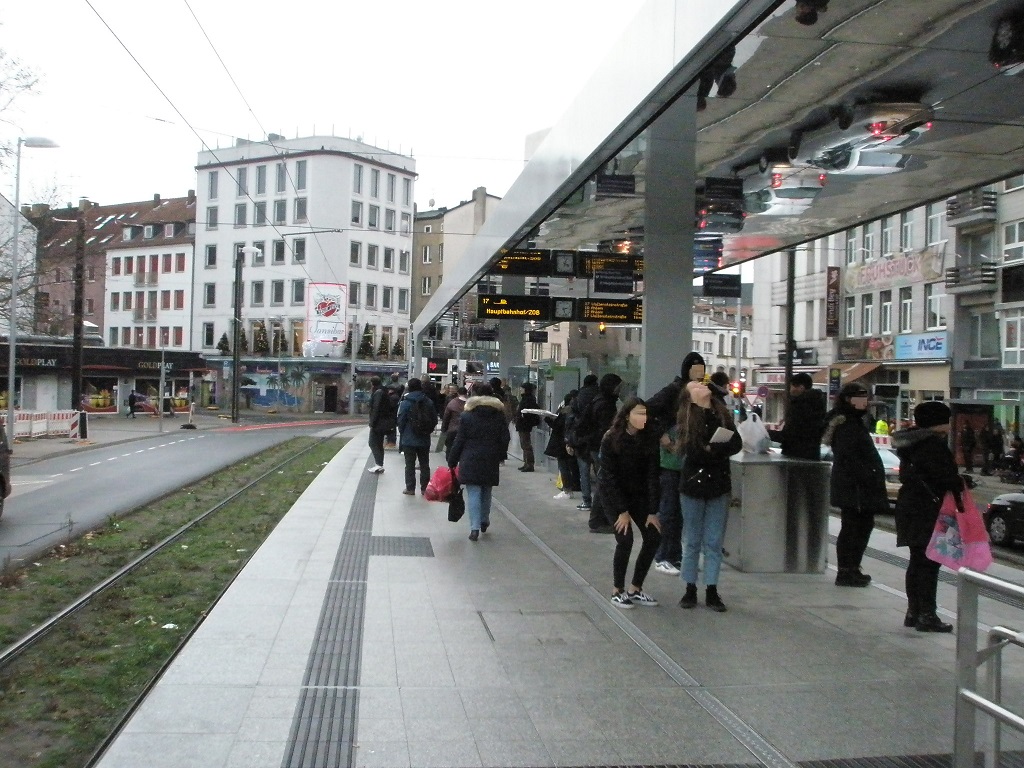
(922, 582)
(854, 532)
(624, 545)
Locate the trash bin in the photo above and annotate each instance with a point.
(778, 521)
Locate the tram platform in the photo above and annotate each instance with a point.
(369, 631)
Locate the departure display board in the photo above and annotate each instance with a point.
(590, 263)
(533, 262)
(525, 307)
(610, 310)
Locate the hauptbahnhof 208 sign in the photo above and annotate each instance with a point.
(557, 309)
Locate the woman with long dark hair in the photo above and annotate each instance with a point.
(705, 486)
(627, 481)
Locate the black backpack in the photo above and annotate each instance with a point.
(393, 397)
(422, 417)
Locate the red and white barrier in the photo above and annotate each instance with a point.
(882, 441)
(29, 424)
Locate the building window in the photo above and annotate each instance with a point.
(373, 219)
(440, 254)
(867, 314)
(299, 291)
(115, 302)
(277, 292)
(851, 246)
(256, 299)
(179, 299)
(126, 300)
(165, 263)
(179, 262)
(242, 177)
(211, 218)
(425, 283)
(168, 230)
(299, 250)
(391, 187)
(280, 178)
(933, 296)
(906, 310)
(374, 183)
(241, 212)
(1014, 182)
(1013, 346)
(112, 337)
(389, 220)
(278, 255)
(868, 238)
(261, 179)
(387, 294)
(165, 299)
(936, 226)
(353, 294)
(259, 259)
(1013, 241)
(211, 256)
(556, 353)
(126, 336)
(207, 334)
(406, 192)
(885, 313)
(371, 296)
(886, 236)
(259, 218)
(406, 224)
(300, 174)
(851, 318)
(536, 350)
(300, 209)
(280, 211)
(165, 336)
(209, 294)
(357, 213)
(115, 265)
(389, 259)
(179, 336)
(403, 299)
(426, 254)
(404, 257)
(355, 254)
(371, 256)
(211, 185)
(906, 231)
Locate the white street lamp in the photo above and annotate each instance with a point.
(32, 142)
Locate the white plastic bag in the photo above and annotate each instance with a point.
(754, 434)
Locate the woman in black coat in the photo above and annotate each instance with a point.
(857, 483)
(927, 471)
(481, 444)
(628, 481)
(568, 470)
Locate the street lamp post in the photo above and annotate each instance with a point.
(32, 142)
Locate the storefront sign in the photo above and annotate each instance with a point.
(832, 302)
(923, 346)
(851, 349)
(899, 269)
(326, 305)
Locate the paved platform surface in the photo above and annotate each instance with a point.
(368, 631)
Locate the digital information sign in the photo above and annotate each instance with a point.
(523, 307)
(557, 309)
(610, 311)
(535, 262)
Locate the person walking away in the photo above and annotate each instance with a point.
(417, 418)
(968, 442)
(450, 419)
(524, 423)
(556, 449)
(628, 488)
(857, 484)
(669, 557)
(596, 420)
(481, 444)
(395, 391)
(705, 488)
(984, 440)
(996, 445)
(382, 421)
(132, 400)
(927, 471)
(583, 399)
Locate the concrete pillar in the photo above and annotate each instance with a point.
(511, 332)
(668, 245)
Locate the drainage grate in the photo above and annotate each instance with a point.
(401, 546)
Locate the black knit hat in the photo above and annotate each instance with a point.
(692, 359)
(931, 413)
(853, 389)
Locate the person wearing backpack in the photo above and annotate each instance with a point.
(394, 390)
(382, 420)
(573, 419)
(417, 418)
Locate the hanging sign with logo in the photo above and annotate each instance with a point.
(832, 284)
(326, 305)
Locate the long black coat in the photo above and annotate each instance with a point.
(481, 442)
(628, 476)
(858, 476)
(927, 472)
(555, 447)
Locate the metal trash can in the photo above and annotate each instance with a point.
(778, 519)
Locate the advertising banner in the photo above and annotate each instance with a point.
(832, 284)
(326, 305)
(923, 346)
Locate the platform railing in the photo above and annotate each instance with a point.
(989, 700)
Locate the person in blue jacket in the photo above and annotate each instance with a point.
(415, 447)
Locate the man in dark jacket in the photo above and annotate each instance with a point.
(395, 389)
(579, 406)
(524, 423)
(416, 447)
(663, 405)
(382, 421)
(857, 482)
(805, 420)
(594, 422)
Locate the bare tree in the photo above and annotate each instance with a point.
(16, 80)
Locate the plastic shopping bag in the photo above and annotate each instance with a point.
(960, 539)
(754, 434)
(441, 484)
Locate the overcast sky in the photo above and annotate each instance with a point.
(458, 83)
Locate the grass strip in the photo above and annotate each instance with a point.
(60, 699)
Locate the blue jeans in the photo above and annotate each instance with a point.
(584, 466)
(703, 528)
(478, 504)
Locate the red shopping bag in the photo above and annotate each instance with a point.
(960, 539)
(441, 484)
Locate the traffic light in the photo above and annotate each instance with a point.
(600, 328)
(736, 388)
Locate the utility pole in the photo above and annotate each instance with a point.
(78, 311)
(236, 352)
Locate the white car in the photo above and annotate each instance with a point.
(781, 189)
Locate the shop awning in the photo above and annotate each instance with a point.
(848, 372)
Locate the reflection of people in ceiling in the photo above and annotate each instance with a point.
(721, 72)
(807, 11)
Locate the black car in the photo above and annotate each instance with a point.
(1004, 518)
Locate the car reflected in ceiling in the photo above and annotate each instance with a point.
(881, 106)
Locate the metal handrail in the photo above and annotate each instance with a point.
(969, 700)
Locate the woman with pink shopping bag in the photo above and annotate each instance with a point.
(928, 475)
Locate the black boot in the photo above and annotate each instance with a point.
(852, 577)
(689, 600)
(712, 600)
(930, 622)
(913, 611)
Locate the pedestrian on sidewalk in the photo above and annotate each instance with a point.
(395, 390)
(382, 421)
(592, 425)
(927, 471)
(556, 449)
(133, 399)
(705, 488)
(573, 419)
(628, 489)
(481, 444)
(968, 442)
(450, 420)
(414, 438)
(669, 557)
(524, 423)
(857, 483)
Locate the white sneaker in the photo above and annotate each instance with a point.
(376, 469)
(563, 495)
(663, 566)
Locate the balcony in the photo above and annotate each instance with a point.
(971, 278)
(146, 278)
(971, 208)
(141, 314)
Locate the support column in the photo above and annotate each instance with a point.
(668, 245)
(511, 333)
